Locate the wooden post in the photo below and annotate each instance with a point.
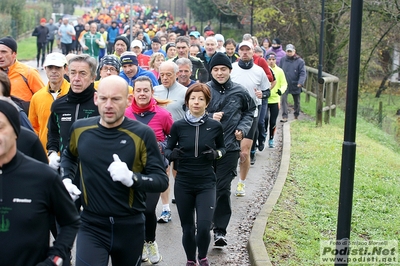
(328, 101)
(398, 129)
(380, 116)
(335, 96)
(320, 101)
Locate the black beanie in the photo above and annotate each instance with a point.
(124, 39)
(9, 42)
(12, 114)
(220, 59)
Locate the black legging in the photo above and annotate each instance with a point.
(41, 47)
(187, 201)
(272, 115)
(150, 215)
(50, 46)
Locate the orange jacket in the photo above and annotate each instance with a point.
(39, 110)
(25, 81)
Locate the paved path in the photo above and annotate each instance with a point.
(245, 209)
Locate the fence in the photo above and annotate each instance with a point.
(326, 92)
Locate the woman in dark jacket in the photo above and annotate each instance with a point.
(200, 141)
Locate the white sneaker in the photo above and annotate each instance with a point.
(240, 192)
(145, 255)
(152, 252)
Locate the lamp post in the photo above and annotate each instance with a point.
(321, 40)
(349, 143)
(251, 17)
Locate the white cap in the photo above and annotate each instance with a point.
(55, 59)
(246, 43)
(137, 43)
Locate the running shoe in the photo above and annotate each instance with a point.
(252, 158)
(220, 240)
(240, 192)
(165, 217)
(152, 252)
(203, 262)
(271, 143)
(261, 146)
(191, 263)
(145, 253)
(284, 120)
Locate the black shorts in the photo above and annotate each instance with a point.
(253, 129)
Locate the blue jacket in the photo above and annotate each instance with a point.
(295, 72)
(140, 72)
(112, 34)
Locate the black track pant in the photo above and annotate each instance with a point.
(150, 216)
(225, 170)
(189, 200)
(270, 118)
(99, 237)
(41, 49)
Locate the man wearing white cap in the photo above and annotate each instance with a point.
(55, 66)
(258, 86)
(143, 60)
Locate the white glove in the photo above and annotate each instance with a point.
(54, 160)
(119, 172)
(73, 190)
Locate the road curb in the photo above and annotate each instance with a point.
(257, 252)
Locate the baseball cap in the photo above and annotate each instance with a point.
(155, 40)
(55, 59)
(195, 34)
(137, 43)
(246, 43)
(42, 20)
(290, 47)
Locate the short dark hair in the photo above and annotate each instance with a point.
(184, 39)
(198, 87)
(143, 78)
(6, 84)
(230, 41)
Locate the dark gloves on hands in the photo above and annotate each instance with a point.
(210, 154)
(176, 154)
(46, 262)
(279, 92)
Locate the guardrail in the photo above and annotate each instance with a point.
(326, 92)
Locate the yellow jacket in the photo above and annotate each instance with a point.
(25, 81)
(39, 110)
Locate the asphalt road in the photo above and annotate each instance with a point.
(258, 184)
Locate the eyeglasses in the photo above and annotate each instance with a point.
(111, 69)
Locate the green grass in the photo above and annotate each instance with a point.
(307, 209)
(26, 49)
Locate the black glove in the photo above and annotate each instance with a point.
(46, 262)
(279, 92)
(210, 154)
(176, 154)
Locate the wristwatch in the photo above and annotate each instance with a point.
(219, 154)
(58, 261)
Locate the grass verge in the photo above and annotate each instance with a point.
(26, 49)
(307, 210)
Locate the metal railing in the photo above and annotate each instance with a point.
(326, 92)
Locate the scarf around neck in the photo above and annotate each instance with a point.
(245, 65)
(138, 110)
(82, 97)
(195, 121)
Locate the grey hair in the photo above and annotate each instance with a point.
(184, 61)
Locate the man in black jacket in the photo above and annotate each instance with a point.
(232, 105)
(41, 32)
(76, 104)
(30, 193)
(199, 72)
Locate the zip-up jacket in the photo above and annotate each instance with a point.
(238, 107)
(30, 194)
(64, 112)
(39, 110)
(89, 40)
(193, 168)
(295, 72)
(135, 144)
